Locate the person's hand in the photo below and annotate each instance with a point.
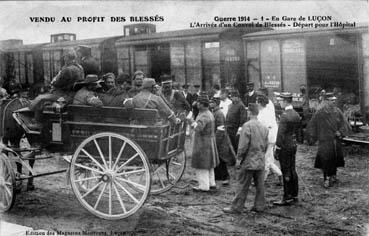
(338, 134)
(178, 121)
(238, 164)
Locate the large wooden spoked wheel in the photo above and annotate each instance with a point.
(7, 184)
(117, 180)
(160, 180)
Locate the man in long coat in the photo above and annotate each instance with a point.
(250, 96)
(328, 126)
(205, 155)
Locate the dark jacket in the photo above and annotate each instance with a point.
(68, 75)
(236, 115)
(250, 99)
(288, 129)
(90, 65)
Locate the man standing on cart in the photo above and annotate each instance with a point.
(62, 84)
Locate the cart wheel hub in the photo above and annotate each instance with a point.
(107, 177)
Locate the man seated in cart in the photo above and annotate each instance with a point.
(112, 95)
(147, 99)
(87, 95)
(62, 84)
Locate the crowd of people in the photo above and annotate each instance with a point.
(226, 129)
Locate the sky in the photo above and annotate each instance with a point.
(15, 20)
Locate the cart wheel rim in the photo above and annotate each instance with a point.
(7, 184)
(113, 164)
(159, 178)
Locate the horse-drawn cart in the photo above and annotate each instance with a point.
(116, 156)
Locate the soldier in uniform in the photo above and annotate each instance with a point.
(62, 85)
(175, 99)
(87, 95)
(137, 81)
(286, 147)
(250, 96)
(147, 99)
(112, 96)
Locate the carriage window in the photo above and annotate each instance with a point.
(212, 45)
(127, 32)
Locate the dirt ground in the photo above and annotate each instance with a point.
(341, 210)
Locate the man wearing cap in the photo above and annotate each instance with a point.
(87, 95)
(236, 117)
(89, 63)
(137, 80)
(286, 147)
(174, 99)
(250, 96)
(250, 159)
(62, 86)
(204, 153)
(195, 95)
(147, 99)
(112, 95)
(328, 126)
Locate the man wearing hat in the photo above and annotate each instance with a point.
(236, 117)
(137, 80)
(147, 99)
(195, 95)
(62, 86)
(204, 155)
(328, 126)
(286, 147)
(250, 96)
(87, 95)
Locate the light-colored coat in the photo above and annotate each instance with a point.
(205, 153)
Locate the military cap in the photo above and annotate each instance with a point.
(203, 98)
(185, 86)
(197, 86)
(285, 95)
(148, 83)
(109, 75)
(138, 73)
(250, 84)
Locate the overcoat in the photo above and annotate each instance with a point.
(322, 127)
(221, 140)
(205, 153)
